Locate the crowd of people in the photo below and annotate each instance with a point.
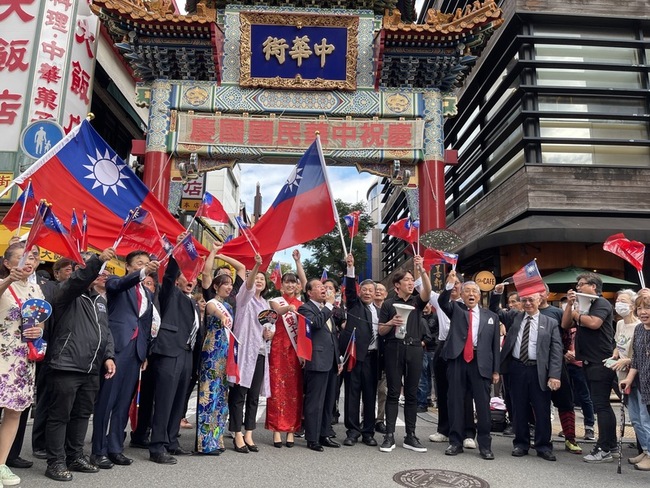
(112, 340)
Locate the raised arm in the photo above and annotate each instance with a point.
(300, 271)
(425, 291)
(250, 280)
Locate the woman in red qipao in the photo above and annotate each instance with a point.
(284, 407)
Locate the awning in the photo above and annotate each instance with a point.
(568, 277)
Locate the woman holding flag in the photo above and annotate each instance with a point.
(284, 407)
(16, 372)
(212, 410)
(253, 359)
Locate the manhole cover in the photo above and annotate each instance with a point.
(438, 478)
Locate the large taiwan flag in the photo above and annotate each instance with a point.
(302, 211)
(83, 172)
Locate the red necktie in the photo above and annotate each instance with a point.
(468, 351)
(138, 294)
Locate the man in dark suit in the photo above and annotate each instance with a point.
(361, 381)
(322, 370)
(171, 362)
(472, 354)
(532, 355)
(130, 312)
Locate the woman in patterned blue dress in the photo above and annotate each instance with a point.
(212, 412)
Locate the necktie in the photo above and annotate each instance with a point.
(468, 351)
(373, 341)
(523, 350)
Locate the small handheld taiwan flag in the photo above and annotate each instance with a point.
(232, 362)
(188, 258)
(304, 338)
(212, 209)
(352, 221)
(351, 351)
(528, 281)
(405, 229)
(22, 211)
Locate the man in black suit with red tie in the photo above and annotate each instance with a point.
(361, 381)
(130, 312)
(322, 370)
(472, 354)
(171, 362)
(532, 355)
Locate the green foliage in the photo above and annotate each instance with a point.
(327, 250)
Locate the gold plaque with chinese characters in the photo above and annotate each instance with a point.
(298, 51)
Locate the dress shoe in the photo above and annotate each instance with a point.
(486, 454)
(509, 431)
(289, 443)
(102, 462)
(314, 446)
(243, 449)
(19, 463)
(162, 458)
(58, 472)
(452, 450)
(139, 444)
(350, 441)
(519, 452)
(120, 459)
(83, 465)
(547, 455)
(369, 440)
(380, 427)
(252, 447)
(39, 453)
(278, 444)
(179, 451)
(327, 442)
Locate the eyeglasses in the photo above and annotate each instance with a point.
(583, 283)
(528, 300)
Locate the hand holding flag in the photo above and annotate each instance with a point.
(352, 222)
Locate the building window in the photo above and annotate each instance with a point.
(586, 54)
(506, 171)
(587, 154)
(588, 78)
(614, 106)
(593, 129)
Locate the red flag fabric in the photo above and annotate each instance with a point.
(352, 221)
(212, 209)
(433, 256)
(404, 229)
(631, 251)
(276, 276)
(48, 233)
(302, 211)
(188, 259)
(75, 228)
(232, 362)
(140, 232)
(82, 171)
(304, 338)
(12, 220)
(351, 351)
(528, 280)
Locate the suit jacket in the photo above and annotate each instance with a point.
(549, 344)
(359, 318)
(324, 344)
(123, 313)
(177, 313)
(487, 342)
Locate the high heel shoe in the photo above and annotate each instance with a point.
(289, 443)
(243, 449)
(252, 447)
(277, 443)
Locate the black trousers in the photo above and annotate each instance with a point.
(72, 399)
(319, 399)
(526, 393)
(361, 384)
(171, 377)
(402, 361)
(442, 392)
(239, 396)
(464, 377)
(600, 380)
(41, 407)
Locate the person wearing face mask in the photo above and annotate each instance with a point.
(622, 355)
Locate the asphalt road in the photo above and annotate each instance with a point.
(357, 466)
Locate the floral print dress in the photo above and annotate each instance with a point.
(16, 372)
(212, 411)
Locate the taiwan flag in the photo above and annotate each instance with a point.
(352, 221)
(433, 256)
(211, 208)
(188, 259)
(405, 229)
(83, 171)
(304, 338)
(232, 362)
(302, 211)
(22, 211)
(49, 233)
(140, 232)
(351, 351)
(528, 280)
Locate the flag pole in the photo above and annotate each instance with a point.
(22, 210)
(641, 279)
(241, 224)
(336, 212)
